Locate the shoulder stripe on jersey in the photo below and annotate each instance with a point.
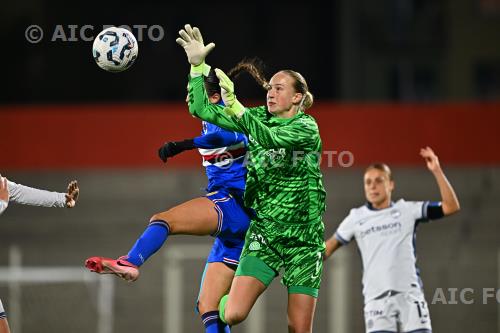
(230, 154)
(424, 209)
(340, 239)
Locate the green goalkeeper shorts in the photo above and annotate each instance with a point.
(298, 249)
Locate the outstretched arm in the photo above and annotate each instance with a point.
(200, 106)
(36, 197)
(72, 194)
(4, 194)
(302, 134)
(449, 199)
(218, 139)
(172, 148)
(209, 141)
(4, 326)
(332, 244)
(191, 40)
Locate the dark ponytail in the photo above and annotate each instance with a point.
(251, 66)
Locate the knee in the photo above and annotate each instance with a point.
(205, 306)
(163, 216)
(234, 317)
(298, 328)
(165, 219)
(295, 330)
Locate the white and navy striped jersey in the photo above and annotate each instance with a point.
(386, 241)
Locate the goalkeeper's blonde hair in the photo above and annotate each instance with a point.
(254, 68)
(300, 86)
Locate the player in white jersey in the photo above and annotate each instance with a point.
(10, 191)
(385, 234)
(4, 325)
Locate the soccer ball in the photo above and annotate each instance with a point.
(115, 49)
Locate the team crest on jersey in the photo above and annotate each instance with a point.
(257, 241)
(276, 157)
(276, 154)
(254, 246)
(395, 213)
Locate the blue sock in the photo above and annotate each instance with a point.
(213, 324)
(150, 241)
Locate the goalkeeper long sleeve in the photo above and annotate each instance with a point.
(200, 106)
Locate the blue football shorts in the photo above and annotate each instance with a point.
(233, 223)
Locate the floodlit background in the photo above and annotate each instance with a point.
(388, 77)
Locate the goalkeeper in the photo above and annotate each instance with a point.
(284, 186)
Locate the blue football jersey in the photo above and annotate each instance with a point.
(223, 154)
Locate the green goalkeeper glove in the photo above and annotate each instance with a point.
(233, 106)
(192, 42)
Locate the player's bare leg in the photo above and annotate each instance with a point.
(194, 217)
(300, 313)
(243, 294)
(216, 284)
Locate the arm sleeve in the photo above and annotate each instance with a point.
(34, 197)
(219, 139)
(3, 206)
(435, 210)
(200, 106)
(424, 211)
(345, 231)
(3, 315)
(301, 133)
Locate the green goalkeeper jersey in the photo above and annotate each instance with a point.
(284, 181)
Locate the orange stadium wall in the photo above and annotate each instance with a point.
(128, 136)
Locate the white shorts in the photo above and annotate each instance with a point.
(400, 312)
(2, 311)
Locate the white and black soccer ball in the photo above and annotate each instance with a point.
(115, 49)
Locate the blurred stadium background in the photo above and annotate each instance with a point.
(389, 77)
